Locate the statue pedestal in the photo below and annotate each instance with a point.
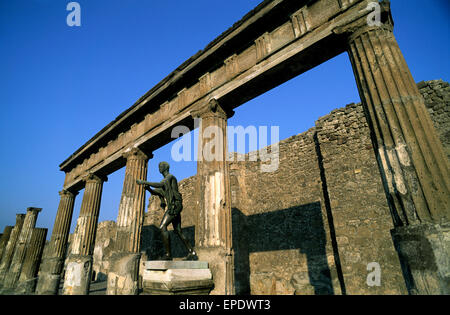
(176, 278)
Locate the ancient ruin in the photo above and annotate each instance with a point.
(372, 189)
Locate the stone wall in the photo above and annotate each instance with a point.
(357, 202)
(315, 224)
(437, 100)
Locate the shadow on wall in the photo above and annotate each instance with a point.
(299, 227)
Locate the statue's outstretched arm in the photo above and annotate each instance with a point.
(143, 182)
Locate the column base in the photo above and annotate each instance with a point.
(11, 277)
(177, 278)
(424, 252)
(48, 284)
(217, 259)
(123, 274)
(49, 277)
(78, 275)
(26, 287)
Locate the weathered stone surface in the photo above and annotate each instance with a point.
(10, 247)
(123, 274)
(28, 275)
(437, 100)
(411, 158)
(295, 251)
(425, 253)
(177, 277)
(322, 215)
(124, 263)
(79, 266)
(78, 275)
(104, 248)
(55, 251)
(164, 265)
(22, 245)
(213, 234)
(4, 239)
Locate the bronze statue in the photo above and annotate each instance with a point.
(167, 191)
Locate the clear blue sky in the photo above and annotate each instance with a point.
(60, 85)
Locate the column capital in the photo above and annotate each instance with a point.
(91, 177)
(365, 21)
(212, 109)
(33, 209)
(66, 192)
(136, 154)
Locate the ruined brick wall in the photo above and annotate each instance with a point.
(437, 100)
(280, 234)
(313, 225)
(357, 202)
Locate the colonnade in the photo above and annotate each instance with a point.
(412, 164)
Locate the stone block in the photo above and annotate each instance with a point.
(177, 278)
(165, 265)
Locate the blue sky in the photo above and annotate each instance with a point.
(60, 85)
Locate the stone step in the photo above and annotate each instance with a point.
(168, 264)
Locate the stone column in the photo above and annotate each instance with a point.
(124, 263)
(4, 239)
(53, 263)
(213, 238)
(28, 275)
(21, 247)
(414, 168)
(10, 247)
(79, 268)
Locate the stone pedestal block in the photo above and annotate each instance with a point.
(123, 277)
(424, 251)
(78, 275)
(177, 278)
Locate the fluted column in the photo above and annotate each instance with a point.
(53, 263)
(4, 239)
(123, 273)
(411, 159)
(213, 237)
(410, 154)
(22, 243)
(28, 275)
(10, 247)
(79, 268)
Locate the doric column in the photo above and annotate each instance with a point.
(53, 263)
(124, 264)
(411, 158)
(22, 243)
(414, 168)
(28, 275)
(4, 239)
(79, 268)
(10, 247)
(213, 237)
